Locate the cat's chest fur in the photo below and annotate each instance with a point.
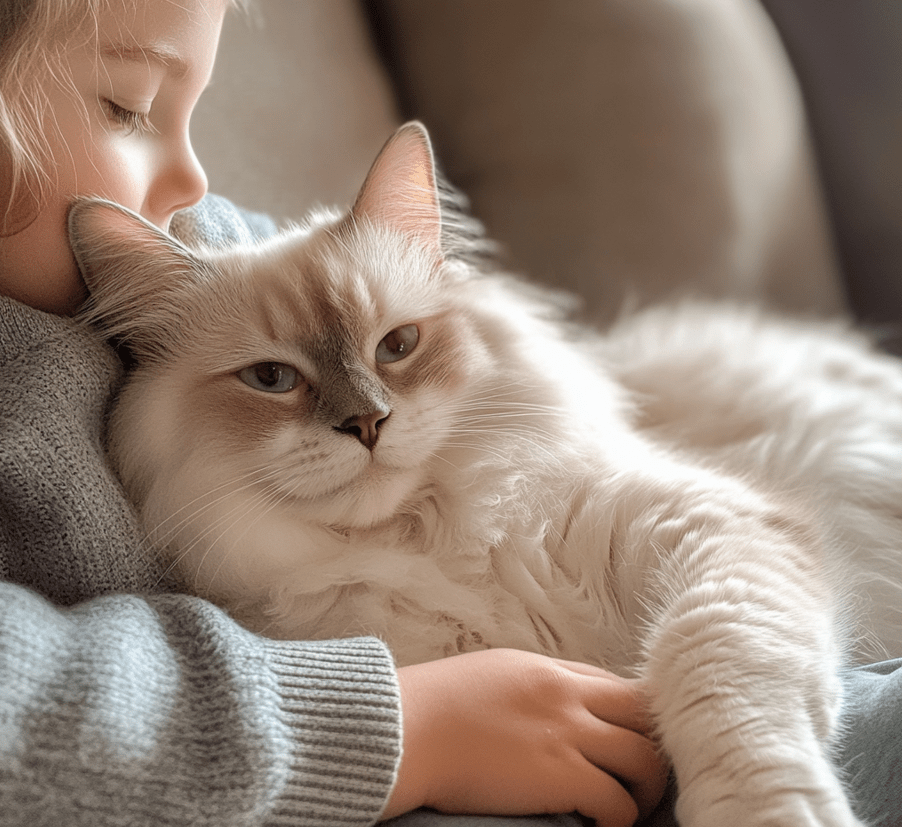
(502, 559)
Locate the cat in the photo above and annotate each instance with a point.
(360, 426)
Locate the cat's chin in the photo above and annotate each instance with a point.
(372, 499)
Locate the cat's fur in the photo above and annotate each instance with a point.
(705, 496)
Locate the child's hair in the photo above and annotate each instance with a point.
(27, 29)
(32, 32)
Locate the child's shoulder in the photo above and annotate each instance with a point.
(30, 336)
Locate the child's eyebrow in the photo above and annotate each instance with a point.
(156, 53)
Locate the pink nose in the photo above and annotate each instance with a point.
(365, 427)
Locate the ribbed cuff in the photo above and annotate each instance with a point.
(340, 709)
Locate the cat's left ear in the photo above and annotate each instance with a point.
(400, 190)
(134, 272)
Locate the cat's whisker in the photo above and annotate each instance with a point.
(229, 488)
(221, 487)
(191, 509)
(477, 403)
(222, 525)
(270, 505)
(235, 545)
(441, 458)
(490, 418)
(532, 438)
(186, 550)
(486, 449)
(486, 409)
(490, 401)
(506, 409)
(508, 429)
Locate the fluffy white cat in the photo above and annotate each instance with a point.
(359, 427)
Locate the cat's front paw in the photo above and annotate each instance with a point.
(795, 810)
(787, 804)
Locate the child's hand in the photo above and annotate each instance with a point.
(502, 732)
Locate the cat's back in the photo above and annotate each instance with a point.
(712, 378)
(809, 411)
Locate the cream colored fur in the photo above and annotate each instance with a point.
(705, 496)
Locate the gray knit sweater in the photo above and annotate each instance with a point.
(120, 703)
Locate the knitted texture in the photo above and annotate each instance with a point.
(121, 704)
(216, 223)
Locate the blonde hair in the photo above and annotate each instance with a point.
(27, 28)
(32, 33)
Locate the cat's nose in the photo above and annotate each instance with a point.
(365, 427)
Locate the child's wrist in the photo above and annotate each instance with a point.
(411, 784)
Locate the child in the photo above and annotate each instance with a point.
(123, 703)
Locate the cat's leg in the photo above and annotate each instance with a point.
(741, 660)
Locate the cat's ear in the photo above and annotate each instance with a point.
(400, 190)
(133, 272)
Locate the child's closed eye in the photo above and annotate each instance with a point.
(127, 119)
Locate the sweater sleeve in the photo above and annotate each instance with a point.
(161, 711)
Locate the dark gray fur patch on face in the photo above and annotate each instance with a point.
(349, 391)
(347, 388)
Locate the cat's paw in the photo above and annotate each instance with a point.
(797, 810)
(792, 802)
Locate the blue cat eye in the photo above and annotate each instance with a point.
(398, 344)
(270, 377)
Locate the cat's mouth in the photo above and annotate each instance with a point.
(374, 496)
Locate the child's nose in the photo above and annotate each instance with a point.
(180, 183)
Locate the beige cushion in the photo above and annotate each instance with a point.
(625, 146)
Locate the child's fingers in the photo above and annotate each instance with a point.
(586, 669)
(617, 700)
(604, 799)
(627, 756)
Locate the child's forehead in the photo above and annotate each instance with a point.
(135, 52)
(142, 29)
(174, 35)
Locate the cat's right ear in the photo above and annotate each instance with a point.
(133, 272)
(401, 190)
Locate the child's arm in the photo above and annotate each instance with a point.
(510, 733)
(125, 710)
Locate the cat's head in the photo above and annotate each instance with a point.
(326, 363)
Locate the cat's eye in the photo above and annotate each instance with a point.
(271, 377)
(398, 344)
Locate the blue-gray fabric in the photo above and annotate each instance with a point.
(871, 751)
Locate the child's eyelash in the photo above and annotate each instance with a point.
(126, 118)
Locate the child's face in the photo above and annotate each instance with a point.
(121, 132)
